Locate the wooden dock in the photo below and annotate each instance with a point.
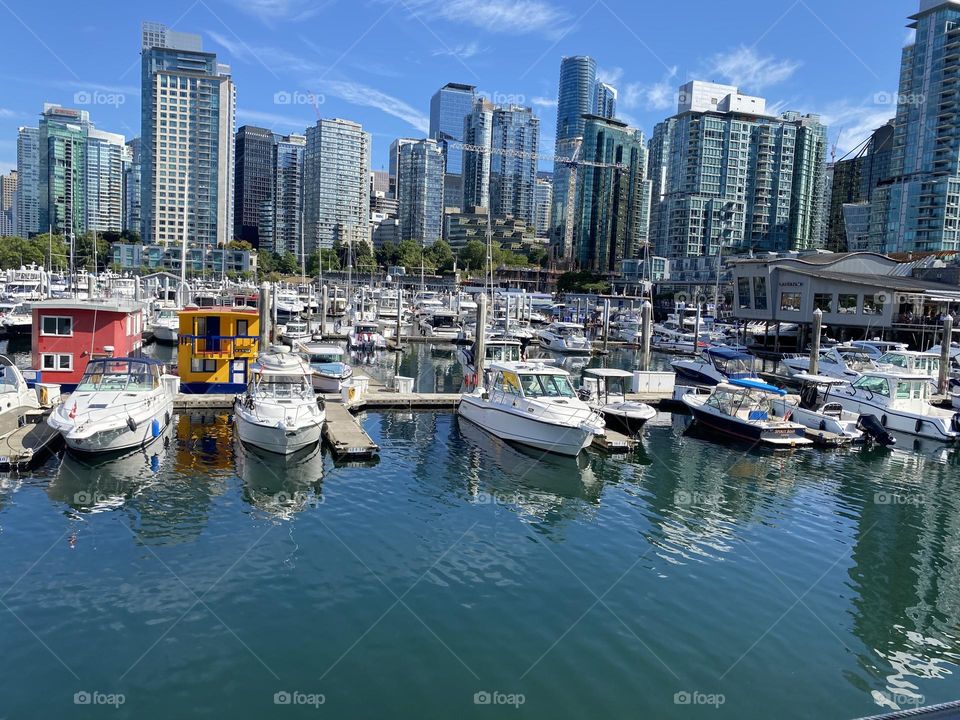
(26, 439)
(344, 434)
(613, 442)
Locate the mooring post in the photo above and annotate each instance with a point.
(815, 341)
(263, 307)
(646, 323)
(945, 353)
(606, 324)
(398, 339)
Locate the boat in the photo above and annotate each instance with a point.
(876, 347)
(494, 350)
(15, 394)
(684, 344)
(901, 402)
(330, 372)
(440, 323)
(565, 337)
(605, 389)
(742, 409)
(532, 404)
(279, 412)
(365, 335)
(120, 404)
(16, 319)
(215, 348)
(840, 361)
(715, 365)
(166, 326)
(337, 302)
(910, 361)
(296, 330)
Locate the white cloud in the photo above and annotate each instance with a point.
(850, 124)
(464, 51)
(749, 71)
(272, 119)
(5, 113)
(269, 11)
(497, 16)
(612, 76)
(358, 94)
(544, 102)
(659, 95)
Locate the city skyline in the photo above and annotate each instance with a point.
(285, 80)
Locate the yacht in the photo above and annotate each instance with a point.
(742, 409)
(877, 347)
(532, 404)
(605, 389)
(494, 350)
(565, 337)
(16, 319)
(716, 365)
(337, 302)
(279, 411)
(296, 330)
(440, 323)
(330, 372)
(683, 344)
(166, 326)
(14, 394)
(119, 404)
(901, 401)
(910, 361)
(288, 303)
(841, 361)
(365, 335)
(25, 284)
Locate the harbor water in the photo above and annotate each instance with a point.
(458, 576)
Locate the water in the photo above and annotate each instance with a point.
(203, 579)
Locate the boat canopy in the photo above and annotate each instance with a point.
(608, 372)
(757, 385)
(819, 379)
(726, 353)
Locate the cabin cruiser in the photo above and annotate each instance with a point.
(16, 319)
(288, 303)
(25, 284)
(279, 411)
(605, 390)
(565, 337)
(119, 404)
(166, 325)
(532, 404)
(365, 335)
(716, 365)
(494, 350)
(684, 344)
(330, 372)
(910, 361)
(295, 331)
(827, 416)
(876, 347)
(742, 408)
(901, 401)
(14, 393)
(841, 361)
(440, 323)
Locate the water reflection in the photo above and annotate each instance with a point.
(204, 443)
(280, 485)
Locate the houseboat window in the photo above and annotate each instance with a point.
(53, 325)
(243, 327)
(743, 293)
(790, 301)
(823, 302)
(760, 293)
(205, 366)
(876, 385)
(54, 361)
(847, 304)
(873, 304)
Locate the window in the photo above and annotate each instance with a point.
(243, 328)
(760, 293)
(873, 304)
(823, 302)
(56, 361)
(875, 385)
(743, 292)
(199, 365)
(54, 325)
(790, 301)
(847, 304)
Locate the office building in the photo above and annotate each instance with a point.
(448, 108)
(62, 170)
(379, 181)
(420, 191)
(470, 224)
(8, 195)
(542, 201)
(188, 109)
(336, 184)
(253, 186)
(132, 219)
(28, 180)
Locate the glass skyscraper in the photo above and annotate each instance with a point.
(28, 177)
(605, 101)
(448, 108)
(477, 130)
(515, 138)
(420, 191)
(132, 220)
(919, 209)
(288, 155)
(253, 186)
(188, 104)
(104, 181)
(62, 170)
(542, 200)
(8, 194)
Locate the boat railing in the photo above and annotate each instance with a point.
(221, 345)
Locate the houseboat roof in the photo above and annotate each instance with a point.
(115, 305)
(219, 310)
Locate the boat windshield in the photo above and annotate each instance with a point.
(535, 386)
(119, 375)
(8, 378)
(324, 358)
(503, 352)
(282, 387)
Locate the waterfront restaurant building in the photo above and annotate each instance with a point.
(861, 294)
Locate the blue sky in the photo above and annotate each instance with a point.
(379, 61)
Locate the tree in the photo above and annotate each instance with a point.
(330, 262)
(239, 245)
(288, 264)
(539, 256)
(582, 281)
(17, 251)
(473, 255)
(410, 254)
(387, 255)
(89, 257)
(440, 256)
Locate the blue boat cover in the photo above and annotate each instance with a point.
(729, 354)
(757, 385)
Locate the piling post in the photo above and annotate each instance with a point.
(324, 303)
(815, 341)
(273, 315)
(398, 338)
(646, 324)
(481, 340)
(945, 354)
(606, 325)
(263, 307)
(696, 330)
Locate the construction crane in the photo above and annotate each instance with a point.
(573, 163)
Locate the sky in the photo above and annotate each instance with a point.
(378, 62)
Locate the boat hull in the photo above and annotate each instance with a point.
(277, 438)
(121, 439)
(900, 421)
(165, 335)
(747, 431)
(627, 422)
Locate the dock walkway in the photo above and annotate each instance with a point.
(23, 445)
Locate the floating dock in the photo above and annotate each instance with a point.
(26, 439)
(345, 435)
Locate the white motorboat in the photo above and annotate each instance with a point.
(565, 337)
(683, 344)
(365, 335)
(166, 326)
(494, 350)
(288, 303)
(910, 361)
(337, 302)
(605, 389)
(742, 409)
(841, 361)
(440, 323)
(330, 372)
(876, 347)
(295, 331)
(119, 404)
(532, 404)
(716, 365)
(901, 402)
(279, 411)
(17, 320)
(15, 395)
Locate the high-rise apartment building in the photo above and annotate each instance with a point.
(575, 99)
(542, 201)
(613, 201)
(420, 191)
(188, 107)
(104, 181)
(919, 208)
(515, 139)
(8, 195)
(62, 173)
(605, 101)
(478, 131)
(288, 194)
(28, 179)
(253, 186)
(336, 184)
(448, 108)
(723, 168)
(132, 219)
(395, 162)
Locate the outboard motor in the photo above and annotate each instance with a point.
(871, 427)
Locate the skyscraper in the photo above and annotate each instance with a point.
(336, 184)
(132, 220)
(288, 168)
(28, 179)
(515, 138)
(420, 191)
(62, 172)
(395, 162)
(8, 194)
(188, 104)
(542, 200)
(914, 212)
(253, 186)
(576, 96)
(605, 101)
(104, 181)
(612, 213)
(448, 108)
(477, 130)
